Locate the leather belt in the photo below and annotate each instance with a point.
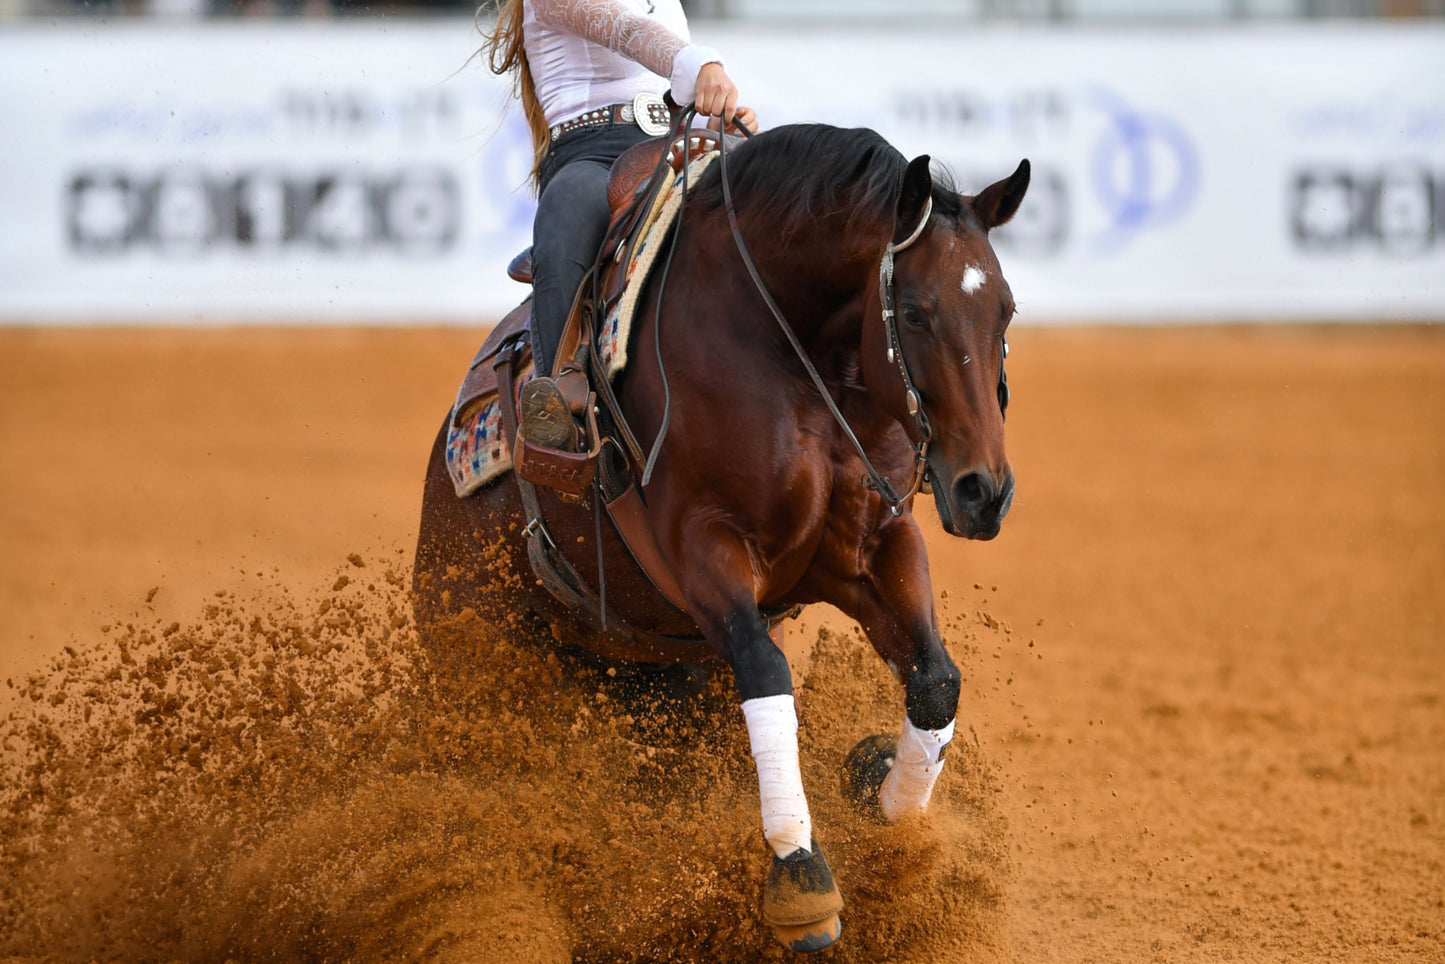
(647, 111)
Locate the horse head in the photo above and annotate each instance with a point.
(937, 365)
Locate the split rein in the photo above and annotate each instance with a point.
(873, 479)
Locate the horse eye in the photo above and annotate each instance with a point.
(914, 318)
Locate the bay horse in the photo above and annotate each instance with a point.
(764, 497)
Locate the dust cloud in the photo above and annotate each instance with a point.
(302, 778)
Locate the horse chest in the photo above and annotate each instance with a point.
(851, 528)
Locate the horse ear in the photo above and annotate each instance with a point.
(917, 188)
(997, 203)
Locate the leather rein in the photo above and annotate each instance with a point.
(888, 296)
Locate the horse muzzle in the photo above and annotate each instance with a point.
(974, 503)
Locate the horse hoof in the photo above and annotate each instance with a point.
(801, 902)
(864, 770)
(806, 938)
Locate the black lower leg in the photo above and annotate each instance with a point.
(932, 687)
(544, 346)
(760, 667)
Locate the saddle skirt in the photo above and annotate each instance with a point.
(477, 451)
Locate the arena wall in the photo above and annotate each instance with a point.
(369, 171)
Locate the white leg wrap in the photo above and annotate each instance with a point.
(773, 730)
(915, 770)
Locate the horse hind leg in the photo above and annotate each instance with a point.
(896, 776)
(436, 545)
(464, 560)
(893, 777)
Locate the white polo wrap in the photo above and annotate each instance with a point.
(773, 731)
(909, 783)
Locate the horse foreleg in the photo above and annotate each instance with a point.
(801, 900)
(765, 685)
(894, 605)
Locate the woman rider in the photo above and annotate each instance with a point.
(580, 66)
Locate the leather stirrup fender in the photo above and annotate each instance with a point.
(548, 564)
(629, 515)
(574, 333)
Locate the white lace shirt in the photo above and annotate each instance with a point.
(587, 54)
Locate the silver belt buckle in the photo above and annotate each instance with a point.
(646, 108)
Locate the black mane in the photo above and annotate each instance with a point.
(794, 174)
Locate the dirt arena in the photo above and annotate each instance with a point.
(1204, 676)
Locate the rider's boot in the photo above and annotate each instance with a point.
(543, 416)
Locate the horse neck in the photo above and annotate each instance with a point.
(819, 275)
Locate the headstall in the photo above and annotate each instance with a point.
(887, 295)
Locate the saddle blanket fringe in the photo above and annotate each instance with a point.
(477, 450)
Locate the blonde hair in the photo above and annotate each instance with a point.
(505, 52)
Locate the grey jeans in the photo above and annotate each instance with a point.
(571, 221)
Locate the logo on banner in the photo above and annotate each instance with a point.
(1397, 208)
(413, 212)
(1118, 171)
(1144, 168)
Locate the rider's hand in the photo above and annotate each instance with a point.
(745, 117)
(717, 95)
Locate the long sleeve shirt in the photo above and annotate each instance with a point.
(588, 54)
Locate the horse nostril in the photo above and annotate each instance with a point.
(973, 489)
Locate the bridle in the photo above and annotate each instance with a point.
(888, 298)
(887, 294)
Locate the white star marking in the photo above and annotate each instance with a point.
(973, 279)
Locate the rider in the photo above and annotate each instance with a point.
(578, 64)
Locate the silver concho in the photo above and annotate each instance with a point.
(651, 114)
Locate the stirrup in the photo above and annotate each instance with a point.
(544, 417)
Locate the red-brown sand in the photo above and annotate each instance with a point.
(1205, 676)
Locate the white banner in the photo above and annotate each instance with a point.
(365, 171)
